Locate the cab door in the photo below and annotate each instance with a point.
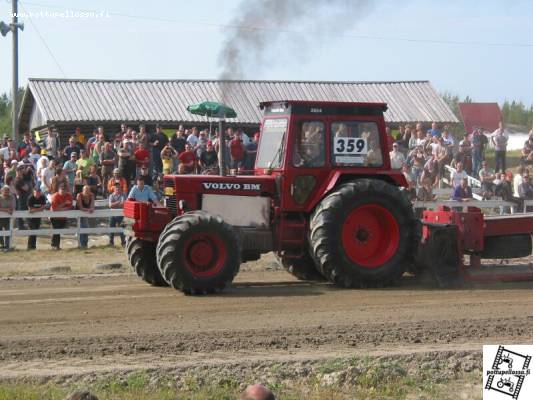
(307, 162)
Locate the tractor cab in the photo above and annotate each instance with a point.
(311, 145)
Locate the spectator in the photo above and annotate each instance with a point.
(499, 140)
(80, 138)
(434, 131)
(142, 157)
(35, 155)
(24, 148)
(251, 152)
(117, 179)
(108, 161)
(479, 141)
(46, 177)
(143, 193)
(61, 201)
(458, 175)
(187, 161)
(70, 168)
(51, 144)
(126, 158)
(464, 157)
(486, 176)
(73, 147)
(116, 201)
(85, 203)
(159, 142)
(143, 138)
(417, 160)
(36, 203)
(431, 170)
(447, 138)
(23, 185)
(209, 159)
(94, 181)
(145, 176)
(92, 140)
(167, 156)
(12, 171)
(236, 152)
(527, 150)
(425, 192)
(193, 138)
(79, 182)
(517, 180)
(463, 192)
(397, 159)
(58, 180)
(84, 163)
(7, 205)
(503, 188)
(178, 141)
(257, 392)
(525, 189)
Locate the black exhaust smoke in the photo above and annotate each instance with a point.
(260, 23)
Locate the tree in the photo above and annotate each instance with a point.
(5, 112)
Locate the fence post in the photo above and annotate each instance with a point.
(78, 230)
(11, 236)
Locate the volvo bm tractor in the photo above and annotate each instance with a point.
(322, 196)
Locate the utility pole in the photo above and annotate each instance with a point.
(15, 87)
(13, 27)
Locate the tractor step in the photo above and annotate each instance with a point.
(500, 273)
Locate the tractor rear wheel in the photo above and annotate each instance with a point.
(141, 255)
(198, 253)
(362, 234)
(303, 269)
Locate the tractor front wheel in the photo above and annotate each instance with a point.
(362, 234)
(198, 253)
(141, 255)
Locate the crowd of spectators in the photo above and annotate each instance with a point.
(107, 166)
(423, 157)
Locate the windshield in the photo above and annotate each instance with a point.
(271, 143)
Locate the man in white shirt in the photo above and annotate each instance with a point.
(397, 159)
(458, 175)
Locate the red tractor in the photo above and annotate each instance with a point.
(323, 197)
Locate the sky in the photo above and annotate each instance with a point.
(483, 49)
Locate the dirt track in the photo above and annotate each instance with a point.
(89, 323)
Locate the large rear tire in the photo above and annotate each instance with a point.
(362, 234)
(198, 253)
(141, 255)
(303, 269)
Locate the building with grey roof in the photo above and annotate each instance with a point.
(69, 103)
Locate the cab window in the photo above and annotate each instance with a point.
(356, 144)
(309, 149)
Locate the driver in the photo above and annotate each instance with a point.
(309, 152)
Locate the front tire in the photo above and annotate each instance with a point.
(198, 253)
(141, 255)
(362, 234)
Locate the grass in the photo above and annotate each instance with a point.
(357, 378)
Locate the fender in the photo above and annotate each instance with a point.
(338, 177)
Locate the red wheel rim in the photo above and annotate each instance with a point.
(205, 254)
(370, 235)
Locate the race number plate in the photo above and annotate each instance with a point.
(350, 146)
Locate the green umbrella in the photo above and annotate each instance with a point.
(212, 109)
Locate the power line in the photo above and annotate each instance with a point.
(44, 41)
(288, 31)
